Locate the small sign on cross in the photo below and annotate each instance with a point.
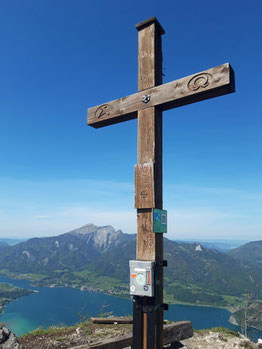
(159, 221)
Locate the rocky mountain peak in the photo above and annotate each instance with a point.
(85, 229)
(100, 237)
(106, 236)
(198, 247)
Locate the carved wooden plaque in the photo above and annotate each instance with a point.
(144, 185)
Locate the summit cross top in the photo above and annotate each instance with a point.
(147, 106)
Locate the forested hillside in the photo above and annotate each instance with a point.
(97, 258)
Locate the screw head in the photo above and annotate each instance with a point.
(146, 98)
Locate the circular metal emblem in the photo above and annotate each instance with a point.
(140, 279)
(146, 98)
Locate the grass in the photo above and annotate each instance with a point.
(60, 334)
(49, 331)
(55, 330)
(246, 345)
(234, 301)
(60, 339)
(28, 276)
(88, 279)
(221, 330)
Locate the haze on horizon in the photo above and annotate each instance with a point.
(57, 174)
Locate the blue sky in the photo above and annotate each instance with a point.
(60, 57)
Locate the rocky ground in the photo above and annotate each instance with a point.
(216, 340)
(68, 337)
(8, 340)
(88, 333)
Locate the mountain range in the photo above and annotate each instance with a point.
(3, 244)
(97, 258)
(222, 246)
(12, 241)
(250, 253)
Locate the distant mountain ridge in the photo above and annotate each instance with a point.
(70, 251)
(97, 257)
(3, 244)
(250, 253)
(221, 246)
(10, 241)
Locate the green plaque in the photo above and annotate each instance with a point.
(159, 221)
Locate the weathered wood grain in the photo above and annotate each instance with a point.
(146, 239)
(146, 135)
(149, 151)
(111, 320)
(150, 21)
(204, 85)
(144, 185)
(177, 332)
(115, 343)
(146, 66)
(172, 333)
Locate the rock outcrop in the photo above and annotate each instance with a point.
(216, 340)
(8, 340)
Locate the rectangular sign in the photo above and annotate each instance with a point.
(142, 278)
(159, 221)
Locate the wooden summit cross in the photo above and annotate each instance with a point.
(147, 105)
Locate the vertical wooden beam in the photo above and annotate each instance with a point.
(149, 244)
(149, 53)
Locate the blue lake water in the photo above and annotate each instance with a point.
(63, 306)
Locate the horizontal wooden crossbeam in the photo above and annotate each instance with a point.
(111, 320)
(210, 83)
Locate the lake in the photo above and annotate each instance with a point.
(65, 306)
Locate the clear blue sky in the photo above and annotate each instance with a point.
(59, 57)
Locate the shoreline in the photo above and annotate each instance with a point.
(230, 309)
(125, 296)
(6, 301)
(34, 283)
(232, 320)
